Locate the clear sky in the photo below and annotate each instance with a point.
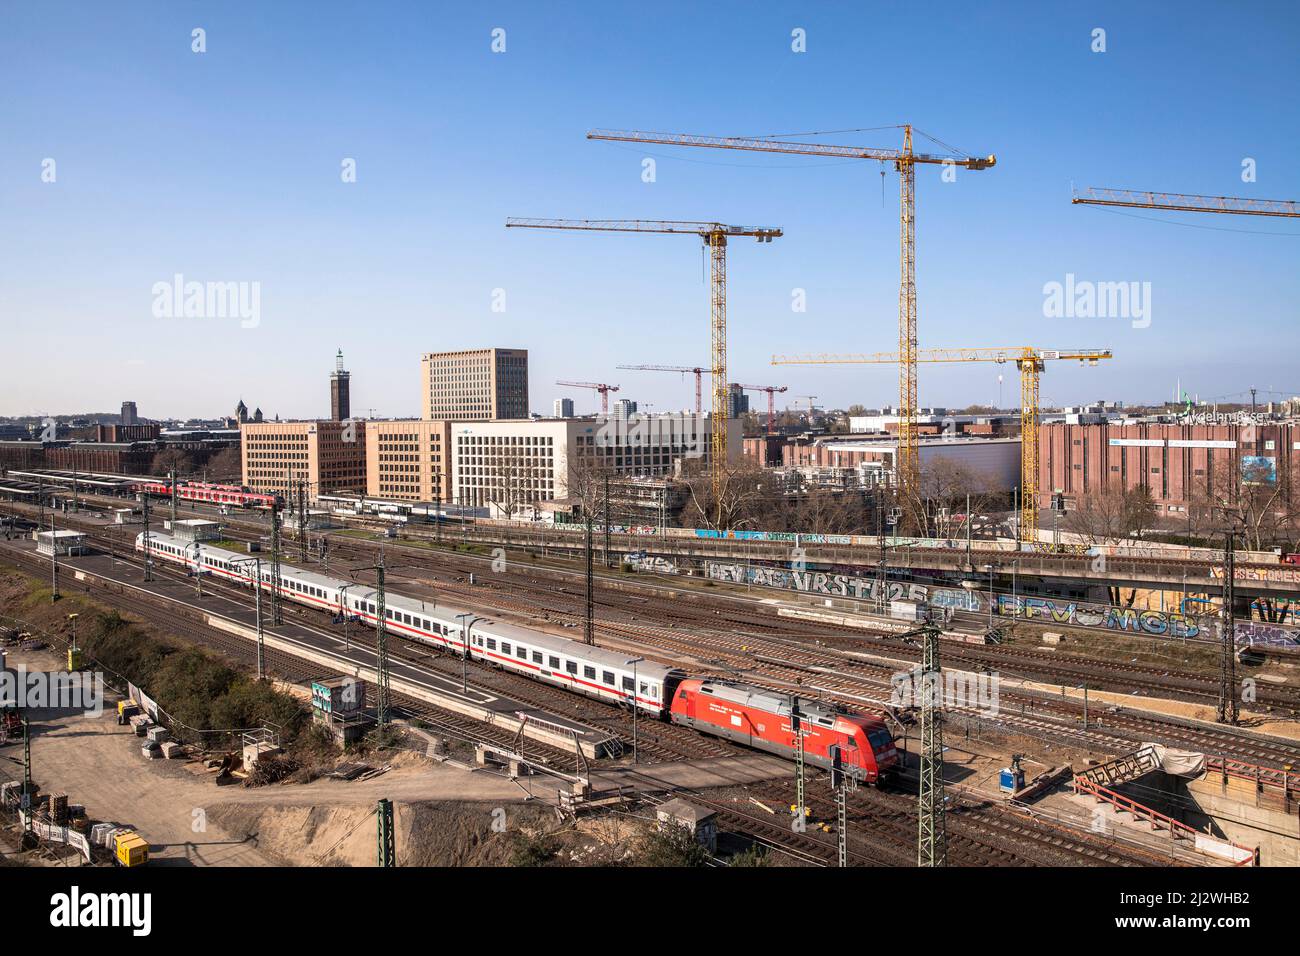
(226, 166)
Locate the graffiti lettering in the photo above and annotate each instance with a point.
(1156, 623)
(813, 582)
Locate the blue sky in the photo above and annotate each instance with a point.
(225, 166)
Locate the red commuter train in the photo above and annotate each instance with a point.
(236, 495)
(760, 718)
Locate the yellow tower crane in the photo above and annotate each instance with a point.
(904, 161)
(715, 235)
(1031, 363)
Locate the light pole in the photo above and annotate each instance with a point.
(635, 707)
(989, 569)
(343, 607)
(257, 587)
(198, 569)
(464, 654)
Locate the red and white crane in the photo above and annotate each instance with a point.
(598, 386)
(771, 401)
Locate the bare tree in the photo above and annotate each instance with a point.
(745, 490)
(945, 484)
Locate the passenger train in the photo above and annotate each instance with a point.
(236, 495)
(748, 714)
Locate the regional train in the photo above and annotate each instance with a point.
(236, 495)
(748, 714)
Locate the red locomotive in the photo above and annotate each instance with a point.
(759, 717)
(236, 495)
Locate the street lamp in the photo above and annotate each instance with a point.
(635, 707)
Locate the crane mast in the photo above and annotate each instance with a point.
(714, 235)
(904, 161)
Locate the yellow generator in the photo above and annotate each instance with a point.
(130, 849)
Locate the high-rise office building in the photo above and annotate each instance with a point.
(564, 408)
(129, 415)
(475, 385)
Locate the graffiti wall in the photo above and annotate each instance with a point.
(1251, 633)
(1077, 614)
(813, 582)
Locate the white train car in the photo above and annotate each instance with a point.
(572, 665)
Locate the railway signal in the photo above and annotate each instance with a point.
(796, 726)
(842, 783)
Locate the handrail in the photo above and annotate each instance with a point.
(1156, 818)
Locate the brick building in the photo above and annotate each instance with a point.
(1181, 464)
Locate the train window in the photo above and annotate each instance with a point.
(554, 662)
(628, 684)
(537, 657)
(607, 677)
(521, 653)
(644, 689)
(571, 667)
(589, 672)
(505, 647)
(406, 619)
(492, 643)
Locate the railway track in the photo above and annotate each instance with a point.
(760, 651)
(762, 654)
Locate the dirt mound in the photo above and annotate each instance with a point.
(428, 834)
